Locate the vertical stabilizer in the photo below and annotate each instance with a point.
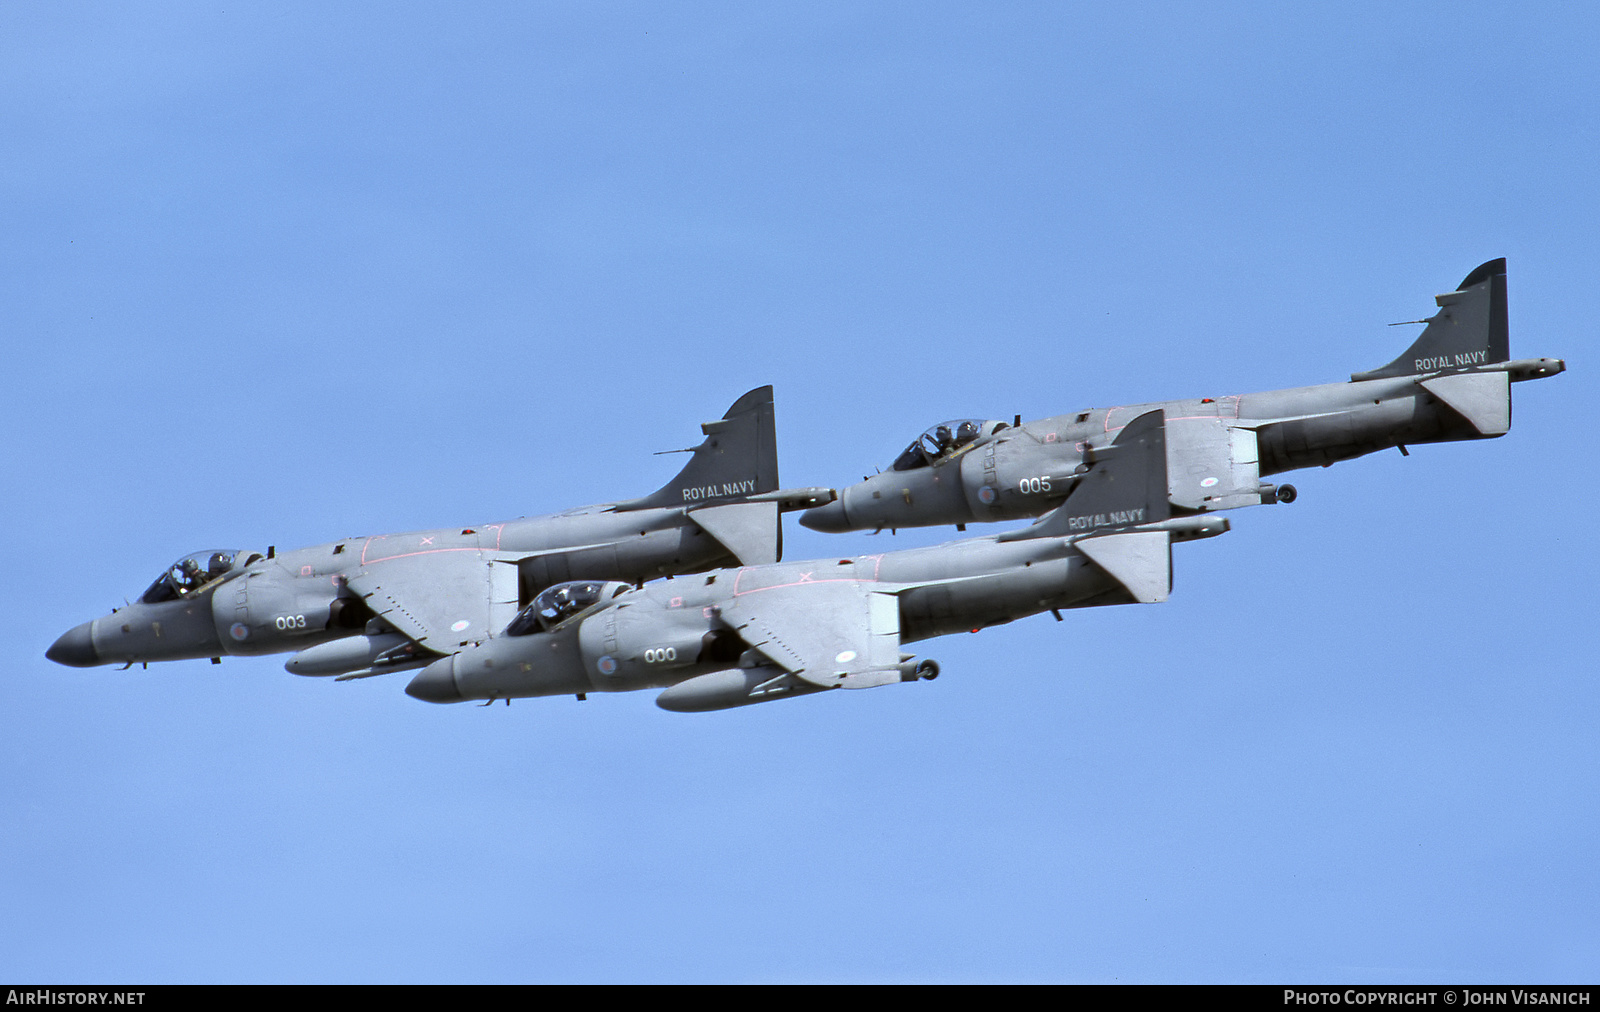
(738, 458)
(1470, 329)
(1126, 486)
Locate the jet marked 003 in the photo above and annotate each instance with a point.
(719, 491)
(1449, 362)
(1116, 519)
(403, 600)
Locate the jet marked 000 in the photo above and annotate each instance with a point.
(804, 633)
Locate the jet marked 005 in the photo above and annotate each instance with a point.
(1453, 383)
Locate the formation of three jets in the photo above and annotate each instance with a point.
(562, 604)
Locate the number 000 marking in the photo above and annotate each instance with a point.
(657, 655)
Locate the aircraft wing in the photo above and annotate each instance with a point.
(836, 634)
(1214, 465)
(442, 600)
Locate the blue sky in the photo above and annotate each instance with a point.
(278, 274)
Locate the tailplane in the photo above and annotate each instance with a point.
(1470, 330)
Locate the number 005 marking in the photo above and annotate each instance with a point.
(1033, 486)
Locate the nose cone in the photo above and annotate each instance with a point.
(75, 648)
(436, 683)
(829, 519)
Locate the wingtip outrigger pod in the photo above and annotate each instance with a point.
(1471, 329)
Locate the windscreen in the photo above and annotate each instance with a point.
(942, 440)
(191, 573)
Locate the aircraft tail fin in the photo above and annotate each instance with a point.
(737, 459)
(1126, 486)
(1470, 329)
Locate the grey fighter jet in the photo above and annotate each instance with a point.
(1453, 383)
(372, 605)
(740, 636)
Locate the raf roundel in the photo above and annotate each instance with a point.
(986, 494)
(460, 625)
(607, 665)
(1208, 483)
(239, 631)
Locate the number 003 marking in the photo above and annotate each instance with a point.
(290, 621)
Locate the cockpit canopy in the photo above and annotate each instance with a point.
(196, 571)
(556, 604)
(944, 439)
